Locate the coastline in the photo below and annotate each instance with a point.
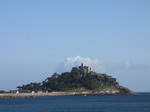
(32, 95)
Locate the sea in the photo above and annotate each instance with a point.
(105, 103)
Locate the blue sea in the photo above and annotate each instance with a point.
(112, 103)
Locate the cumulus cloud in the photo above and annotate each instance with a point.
(96, 64)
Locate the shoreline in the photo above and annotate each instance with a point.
(33, 95)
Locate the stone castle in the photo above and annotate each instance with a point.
(83, 69)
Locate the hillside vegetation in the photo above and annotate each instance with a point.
(77, 81)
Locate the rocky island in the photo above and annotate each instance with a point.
(80, 81)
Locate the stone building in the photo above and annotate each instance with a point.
(83, 69)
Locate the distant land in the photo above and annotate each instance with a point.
(80, 81)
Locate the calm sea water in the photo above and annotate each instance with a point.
(139, 103)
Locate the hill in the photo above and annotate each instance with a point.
(80, 79)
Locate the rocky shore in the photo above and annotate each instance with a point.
(32, 95)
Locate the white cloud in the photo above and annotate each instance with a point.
(97, 65)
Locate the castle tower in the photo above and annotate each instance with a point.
(88, 69)
(82, 64)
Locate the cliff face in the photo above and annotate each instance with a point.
(79, 80)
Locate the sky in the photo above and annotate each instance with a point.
(40, 37)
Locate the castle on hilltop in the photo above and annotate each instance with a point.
(83, 69)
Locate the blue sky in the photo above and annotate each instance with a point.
(36, 36)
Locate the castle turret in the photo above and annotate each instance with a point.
(88, 69)
(82, 64)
